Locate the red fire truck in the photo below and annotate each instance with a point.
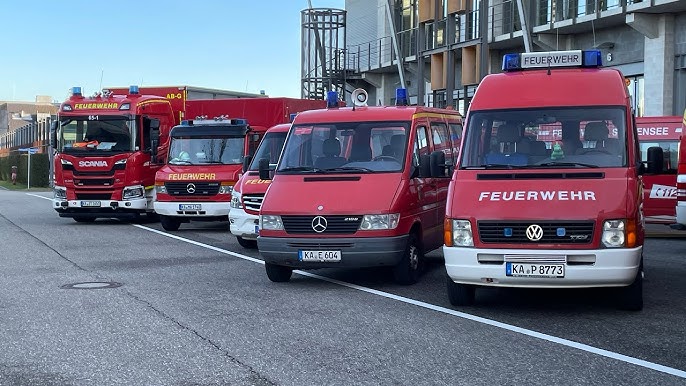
(248, 193)
(103, 166)
(566, 215)
(681, 182)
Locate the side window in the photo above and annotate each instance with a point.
(439, 134)
(421, 146)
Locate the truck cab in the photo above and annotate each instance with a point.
(526, 212)
(352, 188)
(248, 193)
(204, 162)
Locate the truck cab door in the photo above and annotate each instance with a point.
(423, 185)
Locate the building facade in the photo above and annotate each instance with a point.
(435, 47)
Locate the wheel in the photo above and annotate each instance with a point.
(631, 297)
(409, 268)
(170, 223)
(249, 244)
(84, 219)
(152, 216)
(460, 294)
(278, 273)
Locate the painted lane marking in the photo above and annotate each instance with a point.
(35, 195)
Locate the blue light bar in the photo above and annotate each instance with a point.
(401, 96)
(133, 89)
(331, 99)
(76, 91)
(239, 121)
(291, 117)
(573, 58)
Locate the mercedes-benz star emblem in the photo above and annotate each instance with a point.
(534, 232)
(190, 188)
(319, 224)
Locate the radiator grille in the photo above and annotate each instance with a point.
(554, 232)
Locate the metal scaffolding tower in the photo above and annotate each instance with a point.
(323, 52)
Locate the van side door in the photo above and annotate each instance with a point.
(421, 183)
(441, 141)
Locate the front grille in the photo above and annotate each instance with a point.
(197, 188)
(95, 182)
(554, 232)
(104, 173)
(334, 224)
(253, 201)
(93, 196)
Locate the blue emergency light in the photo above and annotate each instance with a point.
(76, 91)
(133, 89)
(331, 99)
(401, 96)
(573, 58)
(291, 117)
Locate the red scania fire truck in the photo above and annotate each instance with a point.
(103, 165)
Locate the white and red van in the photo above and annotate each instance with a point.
(248, 193)
(524, 212)
(353, 188)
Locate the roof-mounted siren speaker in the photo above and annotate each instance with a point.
(360, 97)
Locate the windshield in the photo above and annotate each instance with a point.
(269, 148)
(546, 138)
(96, 133)
(207, 150)
(338, 147)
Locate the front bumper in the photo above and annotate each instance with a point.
(584, 268)
(355, 252)
(106, 208)
(207, 209)
(243, 224)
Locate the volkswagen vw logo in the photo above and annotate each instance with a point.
(534, 232)
(319, 224)
(190, 188)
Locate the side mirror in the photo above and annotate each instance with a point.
(424, 166)
(53, 134)
(154, 142)
(656, 160)
(154, 124)
(264, 169)
(246, 163)
(437, 164)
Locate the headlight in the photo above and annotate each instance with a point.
(613, 233)
(65, 162)
(462, 233)
(59, 193)
(121, 162)
(133, 192)
(379, 221)
(269, 222)
(225, 189)
(160, 188)
(236, 200)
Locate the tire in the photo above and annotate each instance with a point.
(248, 244)
(460, 294)
(408, 270)
(278, 273)
(84, 219)
(152, 216)
(631, 297)
(170, 223)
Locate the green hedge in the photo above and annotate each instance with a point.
(40, 168)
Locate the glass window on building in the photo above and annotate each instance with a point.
(635, 85)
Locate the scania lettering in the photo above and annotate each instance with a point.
(103, 163)
(248, 194)
(547, 192)
(352, 188)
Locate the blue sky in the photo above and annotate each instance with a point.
(50, 46)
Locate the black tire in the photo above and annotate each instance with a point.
(460, 294)
(84, 219)
(152, 216)
(278, 273)
(631, 297)
(408, 270)
(170, 223)
(248, 244)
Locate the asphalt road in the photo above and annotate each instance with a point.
(194, 308)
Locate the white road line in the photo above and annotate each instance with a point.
(35, 195)
(478, 319)
(448, 311)
(3, 188)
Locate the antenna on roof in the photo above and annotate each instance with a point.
(102, 73)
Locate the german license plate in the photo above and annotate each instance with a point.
(90, 204)
(190, 206)
(322, 256)
(534, 270)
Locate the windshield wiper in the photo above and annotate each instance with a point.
(299, 169)
(348, 169)
(574, 164)
(181, 162)
(492, 166)
(211, 162)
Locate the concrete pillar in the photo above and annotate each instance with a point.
(658, 61)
